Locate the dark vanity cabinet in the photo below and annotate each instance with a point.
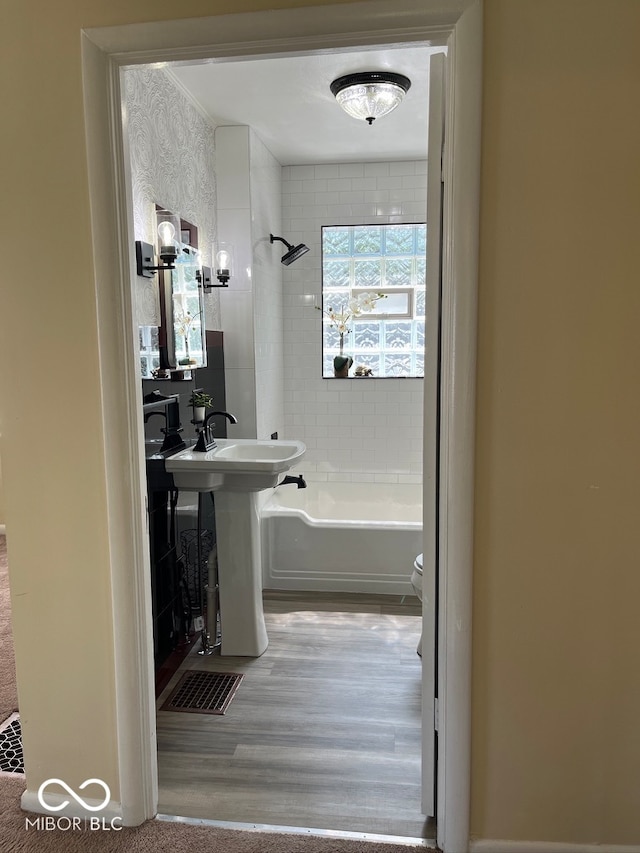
(174, 574)
(169, 616)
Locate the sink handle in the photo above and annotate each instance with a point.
(205, 440)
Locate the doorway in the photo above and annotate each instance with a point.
(104, 52)
(336, 168)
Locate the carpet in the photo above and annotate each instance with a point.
(153, 836)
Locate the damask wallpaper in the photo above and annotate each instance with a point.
(171, 149)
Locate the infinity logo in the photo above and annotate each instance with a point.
(72, 793)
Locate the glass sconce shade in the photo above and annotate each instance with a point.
(223, 261)
(370, 95)
(168, 235)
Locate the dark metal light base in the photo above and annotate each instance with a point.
(202, 444)
(145, 260)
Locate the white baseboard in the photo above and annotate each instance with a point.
(3, 530)
(488, 845)
(29, 802)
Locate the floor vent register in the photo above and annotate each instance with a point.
(11, 756)
(203, 692)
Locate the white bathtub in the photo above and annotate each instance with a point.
(349, 537)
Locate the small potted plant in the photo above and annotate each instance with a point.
(341, 319)
(200, 401)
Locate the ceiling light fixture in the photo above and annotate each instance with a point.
(371, 94)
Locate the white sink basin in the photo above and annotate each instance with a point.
(256, 453)
(235, 465)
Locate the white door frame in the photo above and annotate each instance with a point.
(430, 420)
(105, 51)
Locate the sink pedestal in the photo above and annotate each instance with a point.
(240, 574)
(237, 469)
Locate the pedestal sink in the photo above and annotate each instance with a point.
(235, 465)
(237, 469)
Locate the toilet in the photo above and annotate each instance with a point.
(416, 583)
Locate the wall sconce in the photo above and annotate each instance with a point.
(168, 237)
(203, 277)
(371, 94)
(222, 265)
(223, 262)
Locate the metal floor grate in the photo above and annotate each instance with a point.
(203, 692)
(11, 757)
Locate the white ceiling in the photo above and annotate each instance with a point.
(288, 102)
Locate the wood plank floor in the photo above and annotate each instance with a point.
(323, 732)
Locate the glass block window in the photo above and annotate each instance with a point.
(336, 274)
(389, 338)
(149, 350)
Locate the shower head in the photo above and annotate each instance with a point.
(293, 255)
(294, 252)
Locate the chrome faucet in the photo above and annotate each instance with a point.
(206, 441)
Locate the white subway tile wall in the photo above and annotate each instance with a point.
(236, 300)
(249, 209)
(356, 430)
(268, 317)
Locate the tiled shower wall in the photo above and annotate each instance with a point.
(268, 312)
(361, 430)
(249, 209)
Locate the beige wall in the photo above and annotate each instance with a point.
(2, 519)
(556, 698)
(53, 456)
(556, 754)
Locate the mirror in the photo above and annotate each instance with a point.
(182, 311)
(178, 343)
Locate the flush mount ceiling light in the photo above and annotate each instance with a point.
(371, 94)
